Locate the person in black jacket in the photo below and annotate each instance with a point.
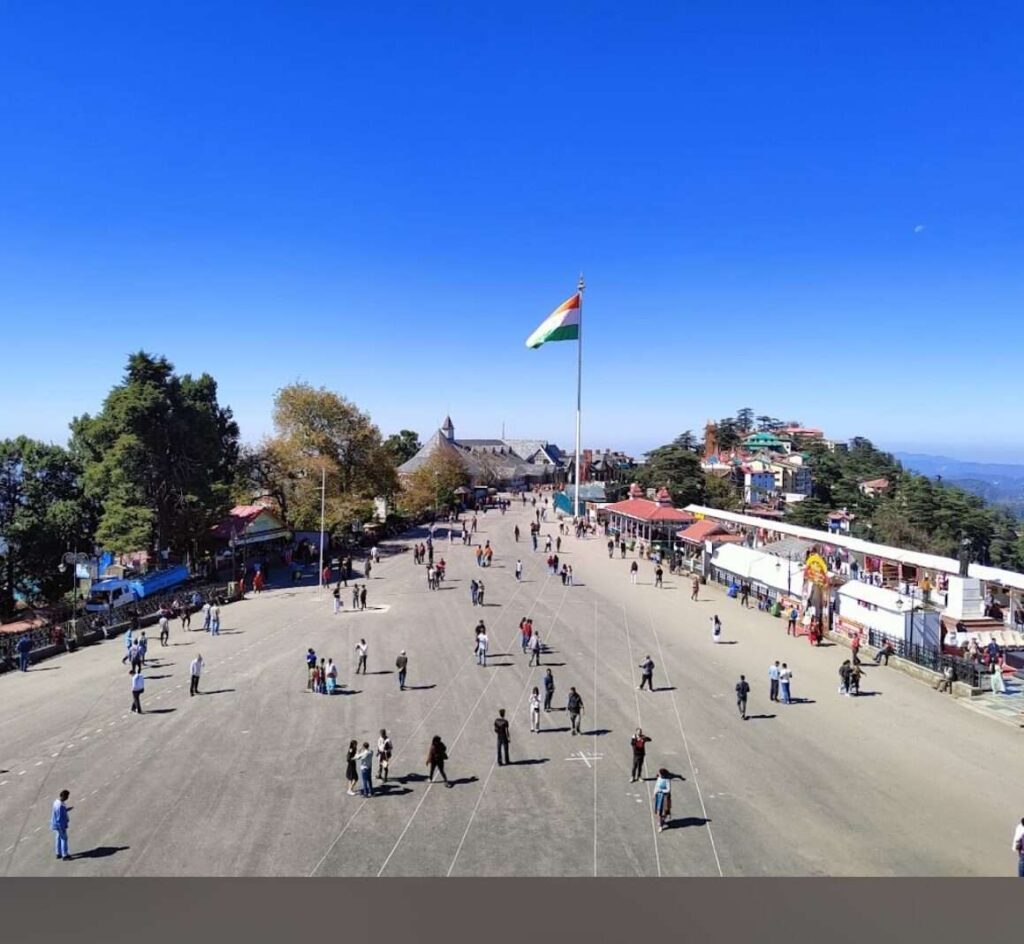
(742, 691)
(574, 705)
(436, 757)
(504, 736)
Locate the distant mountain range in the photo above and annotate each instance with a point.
(996, 482)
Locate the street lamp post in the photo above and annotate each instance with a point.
(72, 559)
(323, 503)
(900, 603)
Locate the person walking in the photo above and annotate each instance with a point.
(364, 761)
(1018, 846)
(195, 669)
(855, 675)
(355, 596)
(519, 571)
(535, 710)
(549, 689)
(647, 674)
(310, 666)
(794, 615)
(165, 628)
(384, 751)
(503, 735)
(524, 634)
(844, 677)
(336, 593)
(361, 651)
(633, 570)
(745, 595)
(437, 754)
(742, 691)
(474, 592)
(517, 533)
(785, 678)
(59, 824)
(207, 616)
(129, 641)
(996, 678)
(331, 677)
(694, 587)
(663, 799)
(351, 773)
(855, 648)
(574, 705)
(402, 664)
(481, 648)
(215, 620)
(639, 744)
(773, 681)
(143, 645)
(138, 687)
(716, 628)
(659, 575)
(536, 647)
(480, 592)
(362, 597)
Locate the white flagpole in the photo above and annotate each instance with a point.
(579, 397)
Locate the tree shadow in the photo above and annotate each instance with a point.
(687, 821)
(100, 852)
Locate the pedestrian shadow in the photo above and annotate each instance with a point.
(419, 688)
(666, 688)
(381, 672)
(45, 668)
(463, 781)
(686, 822)
(544, 665)
(866, 694)
(597, 732)
(759, 717)
(499, 655)
(348, 691)
(216, 691)
(158, 711)
(389, 790)
(531, 762)
(499, 665)
(100, 852)
(802, 701)
(488, 604)
(232, 632)
(410, 778)
(553, 730)
(727, 642)
(153, 678)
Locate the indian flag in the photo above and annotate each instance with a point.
(563, 324)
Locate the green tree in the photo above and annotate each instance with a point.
(728, 434)
(745, 420)
(721, 493)
(434, 483)
(43, 513)
(159, 459)
(677, 468)
(810, 513)
(403, 445)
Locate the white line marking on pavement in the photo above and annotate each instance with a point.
(636, 698)
(3, 783)
(39, 763)
(21, 773)
(686, 745)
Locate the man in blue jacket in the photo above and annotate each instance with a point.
(59, 824)
(23, 647)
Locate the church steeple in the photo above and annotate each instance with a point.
(448, 429)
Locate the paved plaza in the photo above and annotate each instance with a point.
(248, 778)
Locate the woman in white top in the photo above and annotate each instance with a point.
(716, 628)
(663, 798)
(535, 711)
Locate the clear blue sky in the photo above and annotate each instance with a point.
(816, 213)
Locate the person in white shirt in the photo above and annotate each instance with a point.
(364, 761)
(384, 751)
(1018, 847)
(361, 651)
(165, 629)
(663, 798)
(785, 677)
(206, 616)
(138, 687)
(195, 669)
(481, 648)
(535, 711)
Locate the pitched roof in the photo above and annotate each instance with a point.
(698, 533)
(875, 483)
(644, 509)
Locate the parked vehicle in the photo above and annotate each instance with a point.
(110, 594)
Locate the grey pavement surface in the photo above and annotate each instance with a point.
(248, 778)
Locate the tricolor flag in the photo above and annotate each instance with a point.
(563, 324)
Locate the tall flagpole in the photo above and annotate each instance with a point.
(579, 397)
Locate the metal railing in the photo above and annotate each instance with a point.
(928, 658)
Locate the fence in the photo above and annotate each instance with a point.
(90, 625)
(966, 671)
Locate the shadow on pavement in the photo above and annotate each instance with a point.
(158, 711)
(217, 691)
(462, 781)
(596, 733)
(419, 688)
(100, 852)
(759, 717)
(528, 763)
(687, 821)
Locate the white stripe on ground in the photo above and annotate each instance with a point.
(636, 698)
(686, 745)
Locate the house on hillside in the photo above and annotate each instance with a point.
(874, 487)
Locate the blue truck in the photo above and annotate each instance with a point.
(111, 593)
